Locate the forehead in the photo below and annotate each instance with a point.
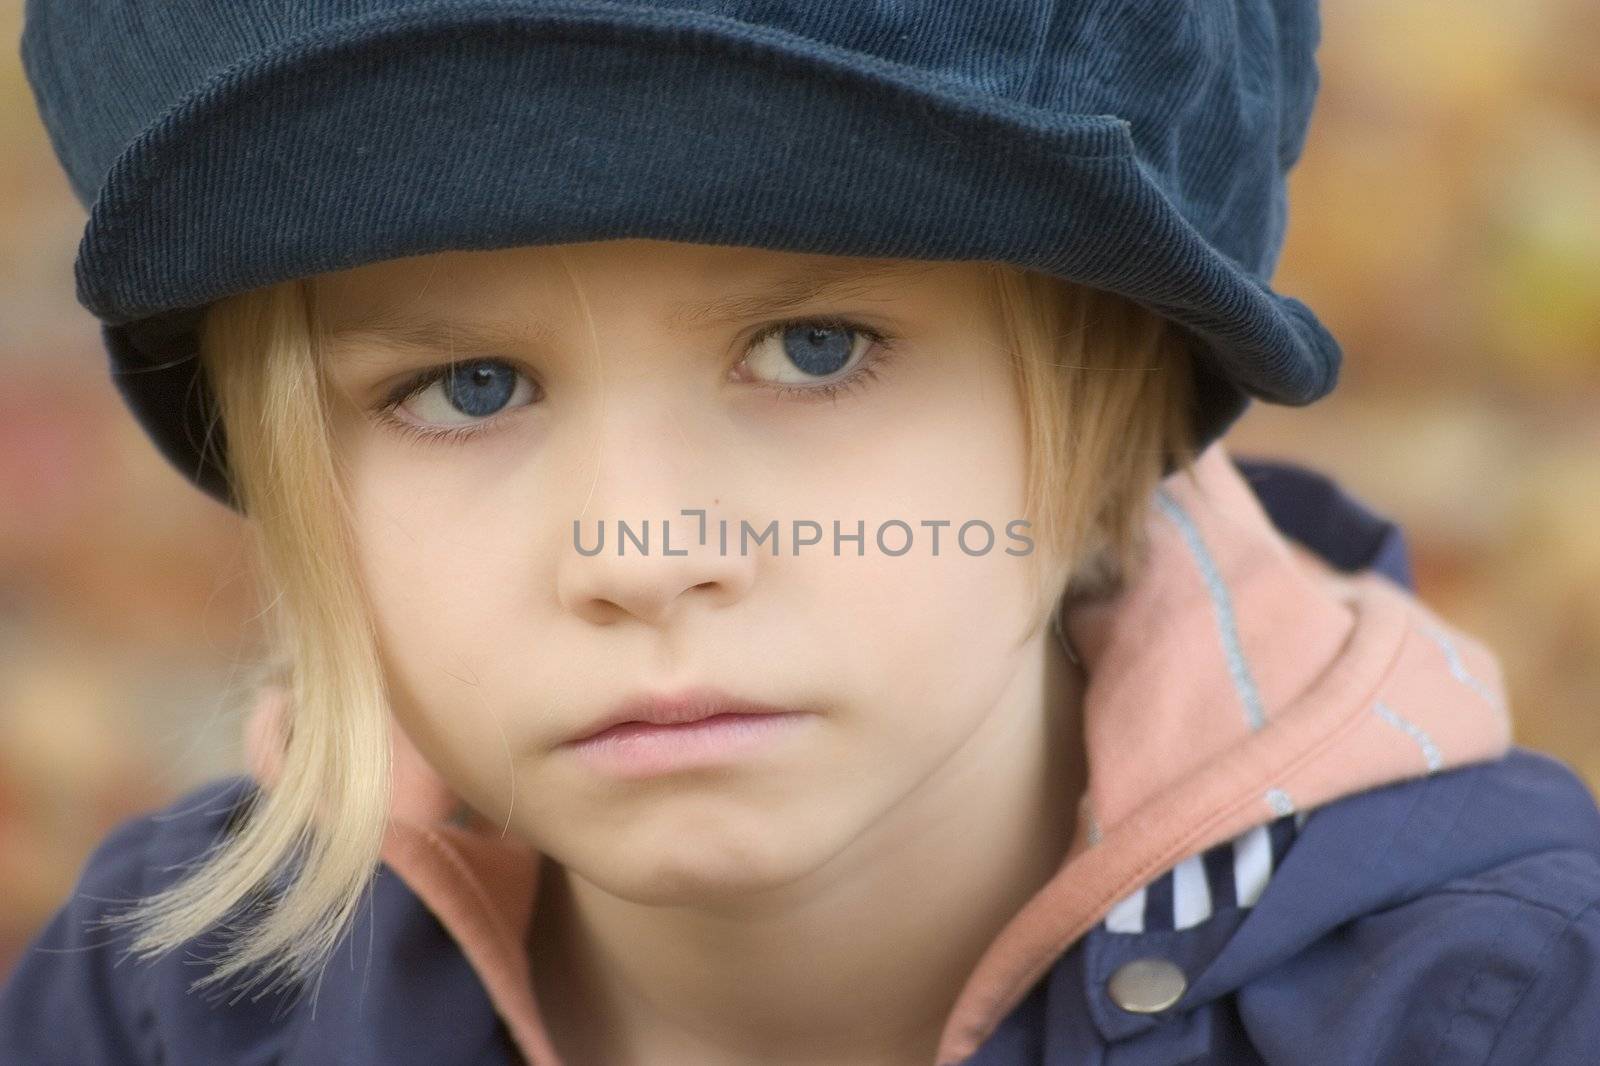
(697, 285)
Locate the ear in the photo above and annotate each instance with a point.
(264, 736)
(418, 793)
(1061, 633)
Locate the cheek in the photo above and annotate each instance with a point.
(444, 555)
(923, 643)
(438, 584)
(942, 438)
(921, 646)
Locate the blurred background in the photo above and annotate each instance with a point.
(1444, 223)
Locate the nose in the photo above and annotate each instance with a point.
(632, 551)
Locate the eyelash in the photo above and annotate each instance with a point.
(880, 345)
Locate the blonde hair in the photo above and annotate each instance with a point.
(1107, 393)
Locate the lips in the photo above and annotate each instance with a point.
(677, 708)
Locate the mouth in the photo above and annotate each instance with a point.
(681, 708)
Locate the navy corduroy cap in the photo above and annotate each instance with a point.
(1139, 146)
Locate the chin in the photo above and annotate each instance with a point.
(706, 870)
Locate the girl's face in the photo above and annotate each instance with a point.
(629, 381)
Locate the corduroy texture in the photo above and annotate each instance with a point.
(1139, 146)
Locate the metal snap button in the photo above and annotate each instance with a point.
(1145, 986)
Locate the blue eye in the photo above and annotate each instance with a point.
(479, 389)
(817, 359)
(818, 350)
(792, 356)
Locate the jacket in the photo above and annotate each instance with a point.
(1306, 840)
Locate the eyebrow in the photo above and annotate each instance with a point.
(411, 333)
(852, 278)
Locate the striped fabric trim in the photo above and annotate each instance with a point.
(1230, 876)
(1244, 682)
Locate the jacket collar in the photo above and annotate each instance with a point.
(1238, 680)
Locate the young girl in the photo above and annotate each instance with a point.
(755, 573)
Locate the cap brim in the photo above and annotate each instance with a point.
(488, 128)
